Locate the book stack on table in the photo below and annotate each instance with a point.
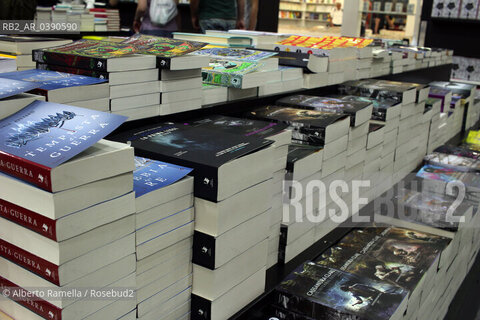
(281, 137)
(232, 188)
(380, 62)
(434, 134)
(164, 223)
(373, 159)
(67, 216)
(21, 48)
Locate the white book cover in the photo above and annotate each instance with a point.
(469, 9)
(437, 8)
(451, 9)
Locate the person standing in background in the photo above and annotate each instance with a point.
(143, 22)
(336, 15)
(217, 14)
(251, 13)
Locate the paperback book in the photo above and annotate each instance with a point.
(163, 48)
(235, 54)
(399, 92)
(43, 135)
(325, 293)
(150, 175)
(458, 151)
(309, 126)
(359, 111)
(442, 94)
(9, 88)
(455, 162)
(380, 107)
(51, 80)
(65, 69)
(84, 54)
(198, 148)
(227, 73)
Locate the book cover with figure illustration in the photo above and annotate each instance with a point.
(325, 293)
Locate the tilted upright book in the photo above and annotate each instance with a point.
(165, 49)
(10, 88)
(211, 155)
(39, 138)
(325, 293)
(359, 111)
(95, 55)
(310, 127)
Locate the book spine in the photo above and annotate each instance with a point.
(69, 60)
(204, 250)
(82, 72)
(201, 308)
(164, 63)
(30, 301)
(28, 219)
(31, 262)
(26, 170)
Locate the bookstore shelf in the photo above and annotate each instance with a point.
(389, 12)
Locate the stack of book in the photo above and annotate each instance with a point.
(358, 272)
(321, 129)
(232, 188)
(59, 87)
(164, 235)
(212, 94)
(179, 72)
(13, 97)
(59, 12)
(424, 115)
(373, 159)
(21, 48)
(43, 15)
(67, 214)
(106, 19)
(281, 138)
(304, 164)
(396, 109)
(87, 21)
(435, 137)
(380, 62)
(131, 77)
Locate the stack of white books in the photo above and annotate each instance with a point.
(164, 223)
(232, 187)
(434, 133)
(68, 224)
(304, 165)
(213, 94)
(380, 62)
(21, 48)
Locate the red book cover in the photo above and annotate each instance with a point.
(31, 262)
(37, 305)
(26, 170)
(29, 219)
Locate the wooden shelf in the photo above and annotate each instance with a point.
(389, 12)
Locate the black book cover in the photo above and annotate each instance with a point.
(203, 150)
(279, 313)
(297, 152)
(308, 125)
(83, 72)
(240, 126)
(458, 151)
(326, 293)
(291, 58)
(372, 127)
(327, 104)
(358, 238)
(377, 89)
(379, 106)
(462, 90)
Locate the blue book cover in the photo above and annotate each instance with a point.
(150, 175)
(51, 80)
(49, 134)
(10, 88)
